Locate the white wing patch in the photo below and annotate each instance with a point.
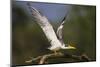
(47, 29)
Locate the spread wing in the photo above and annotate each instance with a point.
(46, 27)
(60, 31)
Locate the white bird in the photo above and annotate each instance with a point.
(56, 43)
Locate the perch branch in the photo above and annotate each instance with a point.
(44, 58)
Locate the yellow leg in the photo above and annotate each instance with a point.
(55, 52)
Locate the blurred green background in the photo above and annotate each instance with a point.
(28, 39)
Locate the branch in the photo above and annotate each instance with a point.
(44, 58)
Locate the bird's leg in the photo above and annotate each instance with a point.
(55, 52)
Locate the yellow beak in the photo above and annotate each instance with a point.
(71, 47)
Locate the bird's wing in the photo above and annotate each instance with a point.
(46, 27)
(60, 31)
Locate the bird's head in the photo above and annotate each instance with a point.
(71, 45)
